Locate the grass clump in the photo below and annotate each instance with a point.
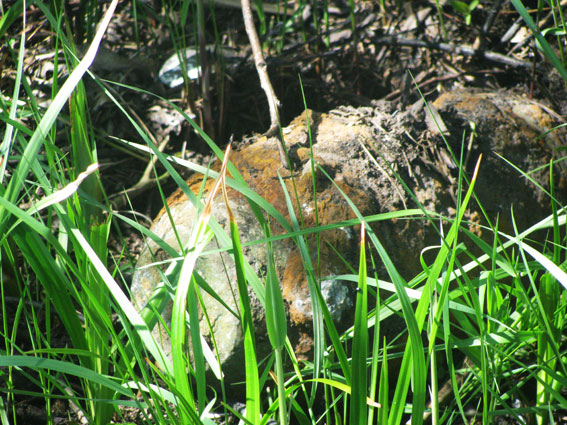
(495, 320)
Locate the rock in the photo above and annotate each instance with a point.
(516, 129)
(361, 150)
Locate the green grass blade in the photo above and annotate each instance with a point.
(198, 355)
(251, 364)
(316, 302)
(237, 183)
(416, 358)
(383, 393)
(276, 321)
(358, 411)
(66, 368)
(9, 132)
(29, 156)
(200, 237)
(375, 379)
(547, 50)
(276, 324)
(53, 279)
(11, 15)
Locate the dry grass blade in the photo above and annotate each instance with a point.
(65, 192)
(220, 181)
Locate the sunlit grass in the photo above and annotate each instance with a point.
(503, 311)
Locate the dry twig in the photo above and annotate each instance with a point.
(452, 48)
(265, 82)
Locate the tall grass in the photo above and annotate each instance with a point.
(503, 311)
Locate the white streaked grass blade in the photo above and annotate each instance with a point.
(200, 237)
(63, 193)
(36, 141)
(127, 307)
(548, 264)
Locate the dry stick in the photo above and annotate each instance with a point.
(268, 7)
(452, 48)
(262, 69)
(491, 17)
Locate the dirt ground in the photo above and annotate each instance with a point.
(390, 54)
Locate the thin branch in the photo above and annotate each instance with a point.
(262, 69)
(452, 48)
(279, 9)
